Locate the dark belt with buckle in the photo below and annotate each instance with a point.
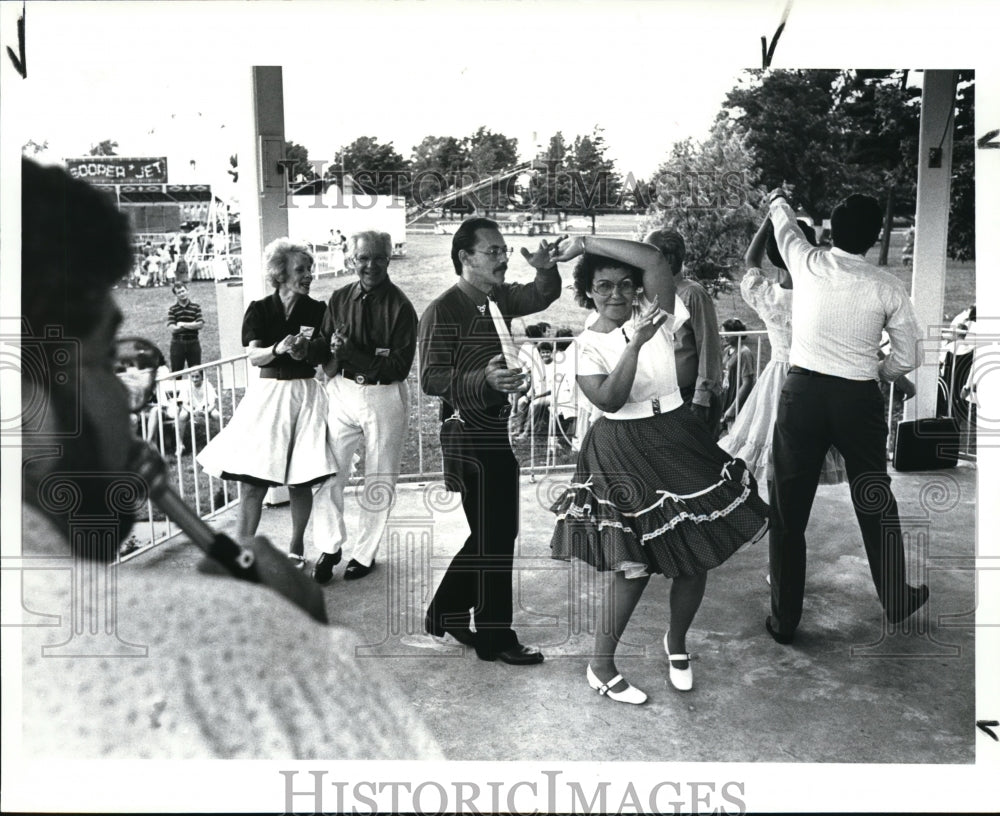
(360, 378)
(810, 373)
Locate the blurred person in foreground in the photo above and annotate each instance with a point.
(209, 672)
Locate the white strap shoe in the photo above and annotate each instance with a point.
(630, 694)
(680, 679)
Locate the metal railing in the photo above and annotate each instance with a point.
(541, 446)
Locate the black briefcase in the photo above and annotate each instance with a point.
(926, 444)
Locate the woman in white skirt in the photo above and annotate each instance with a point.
(652, 492)
(749, 437)
(278, 434)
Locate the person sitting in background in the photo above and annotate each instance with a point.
(197, 631)
(538, 398)
(738, 365)
(199, 400)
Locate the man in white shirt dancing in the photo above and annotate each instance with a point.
(832, 397)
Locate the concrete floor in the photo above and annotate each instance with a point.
(849, 690)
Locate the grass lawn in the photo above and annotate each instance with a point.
(426, 271)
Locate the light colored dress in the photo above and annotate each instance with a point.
(749, 438)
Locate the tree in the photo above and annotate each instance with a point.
(552, 189)
(490, 153)
(597, 183)
(882, 116)
(301, 171)
(33, 148)
(437, 164)
(962, 215)
(104, 148)
(376, 168)
(795, 131)
(710, 193)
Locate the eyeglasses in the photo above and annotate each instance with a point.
(625, 287)
(495, 252)
(373, 259)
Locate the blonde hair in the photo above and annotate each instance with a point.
(276, 255)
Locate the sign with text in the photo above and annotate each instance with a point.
(119, 169)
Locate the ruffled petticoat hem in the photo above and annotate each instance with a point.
(677, 534)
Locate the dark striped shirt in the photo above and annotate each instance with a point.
(188, 313)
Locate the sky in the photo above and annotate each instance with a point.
(172, 78)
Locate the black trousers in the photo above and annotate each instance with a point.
(184, 353)
(814, 412)
(479, 576)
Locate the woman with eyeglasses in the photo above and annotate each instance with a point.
(278, 433)
(652, 492)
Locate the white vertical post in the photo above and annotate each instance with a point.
(261, 194)
(937, 126)
(262, 184)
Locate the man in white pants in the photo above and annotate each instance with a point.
(370, 334)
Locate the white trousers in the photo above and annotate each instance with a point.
(377, 416)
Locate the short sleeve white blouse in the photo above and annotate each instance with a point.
(655, 374)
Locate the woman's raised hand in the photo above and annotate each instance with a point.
(648, 323)
(567, 248)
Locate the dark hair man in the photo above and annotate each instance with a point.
(462, 337)
(832, 397)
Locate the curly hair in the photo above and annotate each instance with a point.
(771, 248)
(588, 266)
(276, 255)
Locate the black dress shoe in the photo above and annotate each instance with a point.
(463, 635)
(916, 597)
(518, 655)
(355, 570)
(781, 637)
(323, 571)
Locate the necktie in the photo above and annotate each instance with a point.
(506, 342)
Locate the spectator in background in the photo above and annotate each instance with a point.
(956, 363)
(184, 321)
(199, 401)
(697, 350)
(738, 365)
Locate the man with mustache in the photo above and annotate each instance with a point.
(461, 338)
